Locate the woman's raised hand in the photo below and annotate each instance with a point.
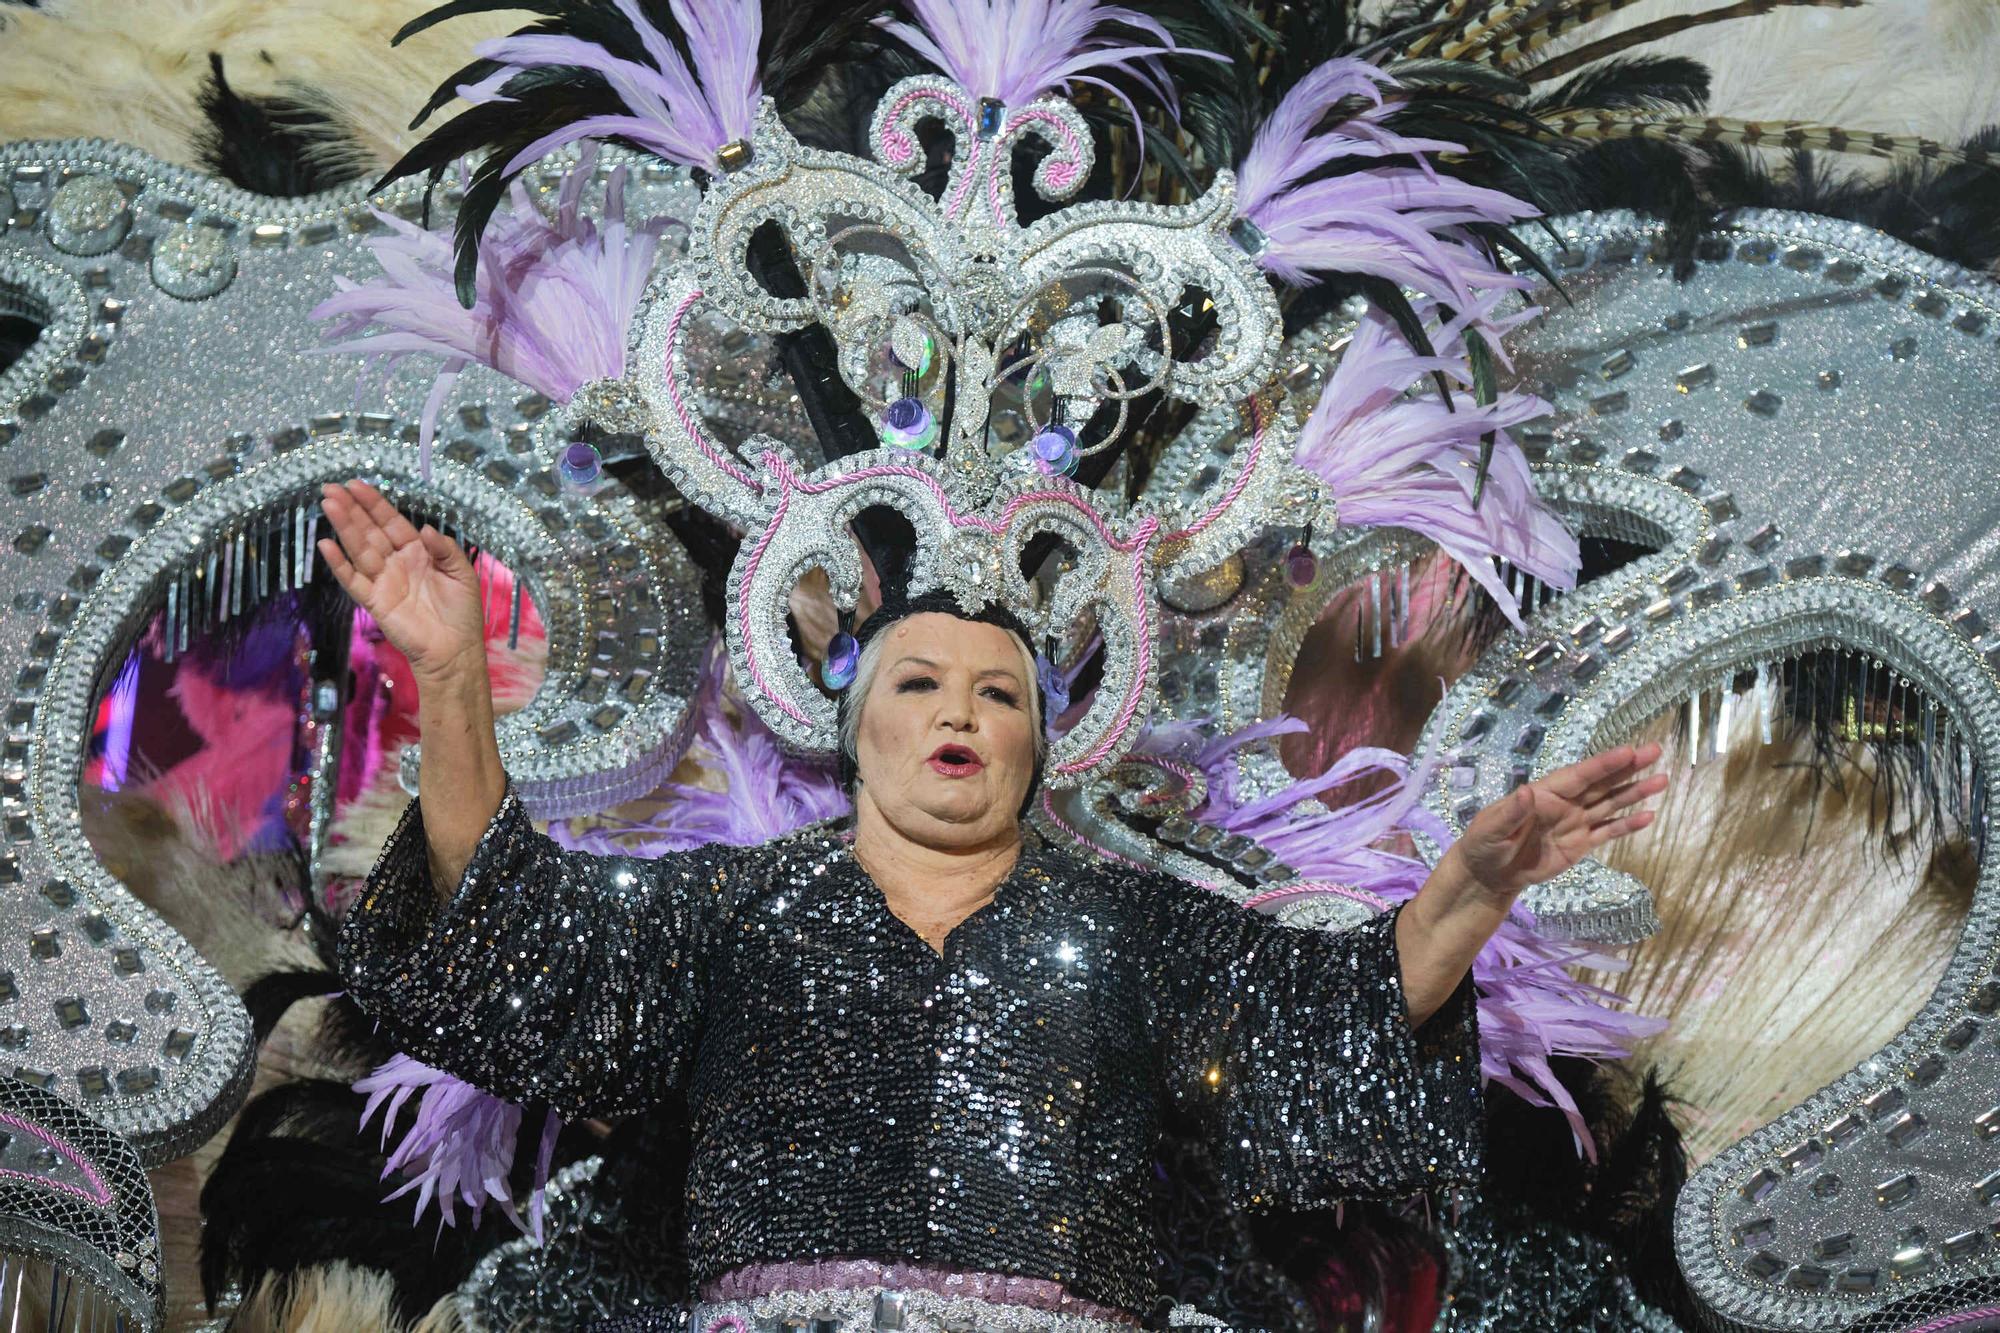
(418, 586)
(1544, 827)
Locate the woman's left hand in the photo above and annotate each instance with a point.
(1533, 833)
(1544, 827)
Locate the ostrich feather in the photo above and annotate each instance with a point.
(553, 301)
(1016, 50)
(1391, 459)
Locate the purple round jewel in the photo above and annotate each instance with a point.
(581, 464)
(843, 658)
(908, 425)
(1301, 566)
(1055, 449)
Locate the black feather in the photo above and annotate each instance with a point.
(1645, 83)
(283, 147)
(299, 1185)
(272, 995)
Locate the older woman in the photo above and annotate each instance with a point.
(927, 1059)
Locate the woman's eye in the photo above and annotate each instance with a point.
(915, 683)
(1004, 696)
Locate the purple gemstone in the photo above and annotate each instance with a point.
(1301, 567)
(581, 464)
(843, 657)
(1055, 443)
(906, 416)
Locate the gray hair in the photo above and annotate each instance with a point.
(856, 694)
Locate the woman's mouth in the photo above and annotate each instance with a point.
(955, 761)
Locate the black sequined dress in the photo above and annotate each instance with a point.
(854, 1093)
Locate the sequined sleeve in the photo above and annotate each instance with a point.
(550, 976)
(1292, 1049)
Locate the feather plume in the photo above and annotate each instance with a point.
(460, 1147)
(758, 791)
(680, 109)
(1016, 50)
(1393, 459)
(553, 300)
(1657, 30)
(1790, 135)
(1531, 1010)
(1402, 224)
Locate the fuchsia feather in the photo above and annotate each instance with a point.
(460, 1147)
(1393, 222)
(1016, 50)
(683, 112)
(1391, 458)
(555, 298)
(1530, 1008)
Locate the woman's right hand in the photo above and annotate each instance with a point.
(418, 586)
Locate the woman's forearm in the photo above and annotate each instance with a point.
(459, 780)
(1439, 933)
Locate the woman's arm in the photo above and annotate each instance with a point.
(424, 593)
(1534, 833)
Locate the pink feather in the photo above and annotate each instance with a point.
(1391, 457)
(684, 112)
(554, 299)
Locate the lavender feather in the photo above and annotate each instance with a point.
(554, 298)
(1394, 222)
(460, 1148)
(1530, 1008)
(1391, 458)
(1016, 50)
(682, 111)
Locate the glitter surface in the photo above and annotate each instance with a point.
(855, 1093)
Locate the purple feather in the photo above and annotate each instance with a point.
(683, 113)
(1530, 1008)
(1016, 50)
(766, 793)
(554, 301)
(1391, 458)
(460, 1148)
(1393, 222)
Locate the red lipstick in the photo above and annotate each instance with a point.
(955, 761)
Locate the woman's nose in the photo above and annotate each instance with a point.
(955, 709)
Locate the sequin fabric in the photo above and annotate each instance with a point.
(853, 1093)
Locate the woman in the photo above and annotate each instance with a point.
(926, 1060)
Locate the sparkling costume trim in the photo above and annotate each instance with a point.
(992, 1108)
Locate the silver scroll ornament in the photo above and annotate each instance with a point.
(972, 305)
(165, 440)
(1801, 433)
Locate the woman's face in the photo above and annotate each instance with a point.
(945, 747)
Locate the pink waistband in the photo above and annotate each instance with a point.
(747, 1282)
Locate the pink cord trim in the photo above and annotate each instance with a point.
(901, 147)
(1375, 901)
(1958, 1320)
(687, 418)
(1135, 548)
(1243, 473)
(1060, 175)
(98, 1193)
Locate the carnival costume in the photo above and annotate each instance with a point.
(1165, 329)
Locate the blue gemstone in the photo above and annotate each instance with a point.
(905, 416)
(843, 658)
(992, 113)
